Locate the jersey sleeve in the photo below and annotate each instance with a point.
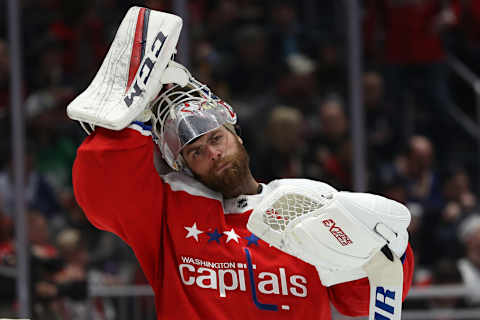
(116, 185)
(353, 298)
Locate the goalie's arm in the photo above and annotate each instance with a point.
(352, 298)
(116, 185)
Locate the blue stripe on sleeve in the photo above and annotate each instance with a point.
(143, 125)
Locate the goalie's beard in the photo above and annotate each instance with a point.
(229, 182)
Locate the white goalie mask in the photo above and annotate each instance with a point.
(183, 113)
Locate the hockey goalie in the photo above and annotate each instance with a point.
(212, 241)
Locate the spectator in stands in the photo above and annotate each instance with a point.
(457, 187)
(286, 32)
(297, 84)
(469, 265)
(282, 154)
(329, 143)
(443, 232)
(39, 236)
(416, 168)
(221, 23)
(331, 72)
(413, 50)
(71, 280)
(209, 65)
(423, 274)
(445, 272)
(380, 120)
(39, 193)
(441, 228)
(332, 125)
(393, 189)
(250, 73)
(44, 263)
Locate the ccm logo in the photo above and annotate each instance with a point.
(383, 301)
(337, 232)
(145, 69)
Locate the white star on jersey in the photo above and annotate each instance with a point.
(231, 235)
(193, 231)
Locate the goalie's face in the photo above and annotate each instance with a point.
(218, 159)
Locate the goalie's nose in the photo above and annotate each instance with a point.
(215, 153)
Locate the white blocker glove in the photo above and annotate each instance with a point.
(338, 233)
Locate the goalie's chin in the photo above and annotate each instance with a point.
(225, 180)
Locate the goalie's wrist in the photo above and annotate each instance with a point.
(143, 125)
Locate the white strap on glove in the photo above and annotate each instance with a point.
(338, 233)
(132, 73)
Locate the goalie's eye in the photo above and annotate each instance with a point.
(216, 139)
(196, 153)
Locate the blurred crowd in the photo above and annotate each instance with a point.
(282, 65)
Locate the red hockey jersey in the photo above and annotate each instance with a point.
(193, 246)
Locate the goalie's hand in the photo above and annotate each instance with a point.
(341, 235)
(351, 227)
(132, 73)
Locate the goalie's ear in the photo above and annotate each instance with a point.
(130, 76)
